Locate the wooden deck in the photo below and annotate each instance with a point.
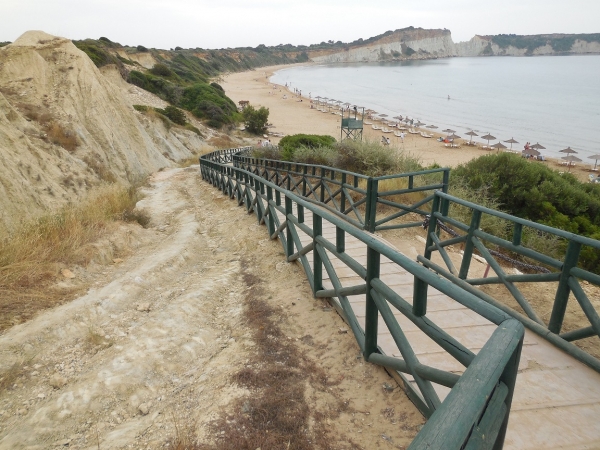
(557, 399)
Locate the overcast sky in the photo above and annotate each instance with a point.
(241, 23)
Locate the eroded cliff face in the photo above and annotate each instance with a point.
(416, 43)
(404, 44)
(66, 127)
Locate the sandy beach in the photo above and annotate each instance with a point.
(292, 114)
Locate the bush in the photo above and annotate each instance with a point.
(535, 192)
(208, 102)
(162, 71)
(290, 144)
(256, 120)
(174, 114)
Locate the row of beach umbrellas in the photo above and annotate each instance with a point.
(533, 150)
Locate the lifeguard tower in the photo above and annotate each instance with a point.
(352, 123)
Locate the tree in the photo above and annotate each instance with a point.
(256, 119)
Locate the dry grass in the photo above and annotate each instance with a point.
(222, 141)
(59, 135)
(276, 414)
(31, 258)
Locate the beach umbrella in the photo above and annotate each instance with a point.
(448, 130)
(567, 150)
(596, 157)
(488, 137)
(419, 124)
(499, 146)
(511, 141)
(471, 133)
(453, 136)
(398, 117)
(538, 146)
(433, 127)
(571, 159)
(531, 152)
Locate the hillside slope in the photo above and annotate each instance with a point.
(65, 127)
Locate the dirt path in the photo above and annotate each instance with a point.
(180, 341)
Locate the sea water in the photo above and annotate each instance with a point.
(553, 100)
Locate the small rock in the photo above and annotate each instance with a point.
(117, 260)
(143, 307)
(64, 442)
(22, 411)
(42, 396)
(144, 408)
(388, 387)
(342, 331)
(67, 273)
(57, 381)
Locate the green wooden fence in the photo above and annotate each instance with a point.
(363, 201)
(475, 414)
(566, 272)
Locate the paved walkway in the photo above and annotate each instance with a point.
(557, 399)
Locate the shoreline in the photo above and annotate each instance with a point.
(293, 115)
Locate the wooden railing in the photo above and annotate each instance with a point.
(566, 273)
(480, 399)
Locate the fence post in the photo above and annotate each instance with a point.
(371, 311)
(304, 172)
(289, 239)
(317, 262)
(445, 180)
(343, 198)
(322, 193)
(563, 290)
(371, 207)
(469, 246)
(340, 240)
(270, 221)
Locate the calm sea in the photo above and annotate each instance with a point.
(553, 100)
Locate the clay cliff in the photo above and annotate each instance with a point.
(66, 126)
(417, 43)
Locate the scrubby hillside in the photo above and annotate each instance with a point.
(66, 127)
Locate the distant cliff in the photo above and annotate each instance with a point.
(417, 43)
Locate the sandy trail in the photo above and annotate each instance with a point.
(155, 343)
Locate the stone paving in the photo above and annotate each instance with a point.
(556, 404)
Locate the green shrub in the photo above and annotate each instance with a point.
(162, 70)
(174, 114)
(207, 102)
(290, 144)
(140, 108)
(535, 192)
(256, 120)
(141, 49)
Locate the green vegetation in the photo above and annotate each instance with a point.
(2, 44)
(535, 192)
(366, 157)
(559, 42)
(174, 114)
(256, 120)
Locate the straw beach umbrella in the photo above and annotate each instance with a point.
(531, 152)
(596, 157)
(538, 146)
(434, 127)
(511, 141)
(499, 145)
(488, 137)
(571, 159)
(471, 133)
(568, 151)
